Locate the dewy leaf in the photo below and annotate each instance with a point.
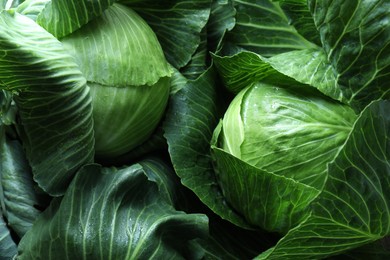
(177, 23)
(110, 213)
(353, 208)
(53, 101)
(191, 119)
(356, 39)
(310, 67)
(264, 28)
(17, 188)
(8, 248)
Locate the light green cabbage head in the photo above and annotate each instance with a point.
(287, 134)
(128, 76)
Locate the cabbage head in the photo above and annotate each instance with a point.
(287, 134)
(128, 76)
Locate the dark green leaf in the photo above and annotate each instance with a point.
(199, 61)
(222, 19)
(53, 101)
(300, 17)
(264, 28)
(177, 23)
(110, 213)
(8, 248)
(372, 251)
(18, 196)
(356, 39)
(191, 119)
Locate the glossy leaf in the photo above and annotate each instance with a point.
(356, 39)
(124, 213)
(177, 23)
(53, 101)
(264, 28)
(18, 195)
(246, 68)
(353, 208)
(300, 17)
(118, 56)
(309, 67)
(8, 248)
(62, 17)
(191, 119)
(222, 19)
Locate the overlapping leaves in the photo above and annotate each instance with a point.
(126, 213)
(53, 101)
(353, 209)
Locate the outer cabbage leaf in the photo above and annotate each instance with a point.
(62, 17)
(222, 19)
(264, 28)
(8, 248)
(53, 101)
(199, 61)
(377, 250)
(356, 39)
(300, 17)
(110, 213)
(270, 201)
(246, 68)
(310, 67)
(191, 118)
(353, 209)
(118, 56)
(18, 197)
(177, 23)
(227, 241)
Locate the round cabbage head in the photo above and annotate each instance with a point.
(128, 76)
(272, 149)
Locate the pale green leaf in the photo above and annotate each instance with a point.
(310, 67)
(118, 56)
(62, 17)
(246, 68)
